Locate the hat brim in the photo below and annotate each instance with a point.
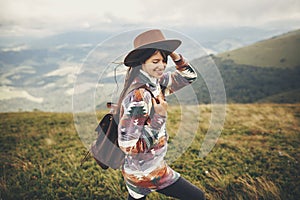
(166, 45)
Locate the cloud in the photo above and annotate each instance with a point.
(7, 92)
(223, 13)
(46, 17)
(39, 18)
(14, 73)
(15, 48)
(65, 71)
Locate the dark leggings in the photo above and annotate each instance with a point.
(181, 189)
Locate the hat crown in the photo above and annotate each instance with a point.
(152, 39)
(148, 37)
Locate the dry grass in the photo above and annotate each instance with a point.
(255, 157)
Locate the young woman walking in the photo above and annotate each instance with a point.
(142, 126)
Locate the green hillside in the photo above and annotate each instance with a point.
(256, 157)
(279, 51)
(267, 71)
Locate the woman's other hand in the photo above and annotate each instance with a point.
(160, 105)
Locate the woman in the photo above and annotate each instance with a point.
(142, 126)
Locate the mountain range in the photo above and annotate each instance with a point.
(41, 74)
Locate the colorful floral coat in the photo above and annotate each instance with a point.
(142, 132)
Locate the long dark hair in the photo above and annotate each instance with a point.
(133, 71)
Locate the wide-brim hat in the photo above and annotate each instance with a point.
(152, 39)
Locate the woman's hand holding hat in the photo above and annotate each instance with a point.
(175, 56)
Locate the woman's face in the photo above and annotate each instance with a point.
(155, 65)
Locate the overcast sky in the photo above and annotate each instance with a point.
(47, 17)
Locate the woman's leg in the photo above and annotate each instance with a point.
(182, 189)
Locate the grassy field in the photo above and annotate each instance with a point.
(256, 157)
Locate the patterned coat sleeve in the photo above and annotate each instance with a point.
(137, 132)
(183, 76)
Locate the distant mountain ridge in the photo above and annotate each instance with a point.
(42, 77)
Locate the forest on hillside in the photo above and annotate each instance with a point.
(252, 84)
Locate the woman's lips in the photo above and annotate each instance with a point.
(159, 72)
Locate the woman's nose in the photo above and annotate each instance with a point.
(162, 64)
